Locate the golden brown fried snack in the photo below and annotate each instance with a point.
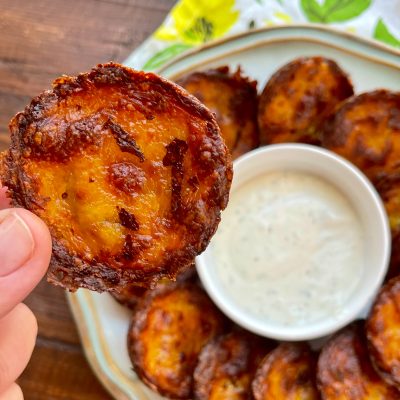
(129, 172)
(287, 373)
(168, 330)
(383, 331)
(345, 371)
(226, 366)
(366, 131)
(233, 98)
(131, 294)
(389, 190)
(298, 98)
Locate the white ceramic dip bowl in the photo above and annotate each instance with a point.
(374, 241)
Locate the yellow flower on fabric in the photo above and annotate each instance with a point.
(198, 21)
(284, 17)
(351, 29)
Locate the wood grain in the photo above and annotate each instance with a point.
(60, 371)
(43, 39)
(39, 41)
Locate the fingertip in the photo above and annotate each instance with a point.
(18, 336)
(14, 392)
(17, 281)
(39, 230)
(40, 258)
(29, 318)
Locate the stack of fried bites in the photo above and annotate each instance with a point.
(131, 172)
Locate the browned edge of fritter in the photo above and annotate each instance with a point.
(373, 330)
(220, 73)
(3, 155)
(131, 294)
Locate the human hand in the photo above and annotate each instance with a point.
(25, 249)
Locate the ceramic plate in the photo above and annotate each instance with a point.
(102, 323)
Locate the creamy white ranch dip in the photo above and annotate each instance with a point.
(289, 248)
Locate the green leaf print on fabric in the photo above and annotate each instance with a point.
(164, 55)
(383, 34)
(333, 10)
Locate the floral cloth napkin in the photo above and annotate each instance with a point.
(194, 22)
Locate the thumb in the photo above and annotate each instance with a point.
(25, 250)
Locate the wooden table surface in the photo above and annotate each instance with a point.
(40, 40)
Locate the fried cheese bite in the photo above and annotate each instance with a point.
(287, 373)
(233, 98)
(345, 371)
(298, 98)
(130, 295)
(366, 130)
(129, 172)
(383, 331)
(170, 326)
(388, 188)
(226, 366)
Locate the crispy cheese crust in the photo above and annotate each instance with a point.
(226, 366)
(383, 331)
(366, 131)
(389, 189)
(298, 98)
(345, 371)
(233, 98)
(169, 328)
(129, 172)
(130, 295)
(287, 373)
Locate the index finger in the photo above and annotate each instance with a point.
(17, 284)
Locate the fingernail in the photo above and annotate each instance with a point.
(16, 243)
